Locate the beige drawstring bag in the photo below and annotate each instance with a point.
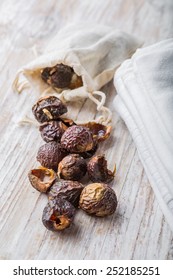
(93, 51)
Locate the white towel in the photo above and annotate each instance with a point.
(144, 85)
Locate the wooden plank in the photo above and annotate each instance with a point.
(138, 229)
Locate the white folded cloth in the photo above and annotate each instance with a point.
(144, 85)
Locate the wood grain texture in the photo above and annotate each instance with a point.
(138, 229)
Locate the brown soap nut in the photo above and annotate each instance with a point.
(48, 108)
(58, 214)
(42, 178)
(98, 171)
(70, 190)
(58, 76)
(98, 199)
(61, 76)
(77, 139)
(50, 154)
(72, 167)
(52, 130)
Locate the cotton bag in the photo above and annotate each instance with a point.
(93, 51)
(144, 85)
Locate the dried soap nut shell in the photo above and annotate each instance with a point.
(50, 154)
(58, 76)
(72, 167)
(98, 171)
(58, 214)
(48, 108)
(52, 130)
(77, 139)
(61, 76)
(70, 190)
(100, 132)
(42, 178)
(98, 199)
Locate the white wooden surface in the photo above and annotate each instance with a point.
(138, 229)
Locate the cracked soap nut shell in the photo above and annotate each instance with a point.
(100, 132)
(72, 167)
(42, 178)
(50, 154)
(48, 108)
(77, 139)
(58, 214)
(52, 130)
(70, 190)
(98, 171)
(98, 199)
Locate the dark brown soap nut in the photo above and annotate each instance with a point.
(70, 190)
(61, 76)
(98, 199)
(48, 108)
(42, 178)
(50, 154)
(58, 214)
(58, 76)
(100, 132)
(72, 167)
(52, 130)
(98, 171)
(77, 139)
